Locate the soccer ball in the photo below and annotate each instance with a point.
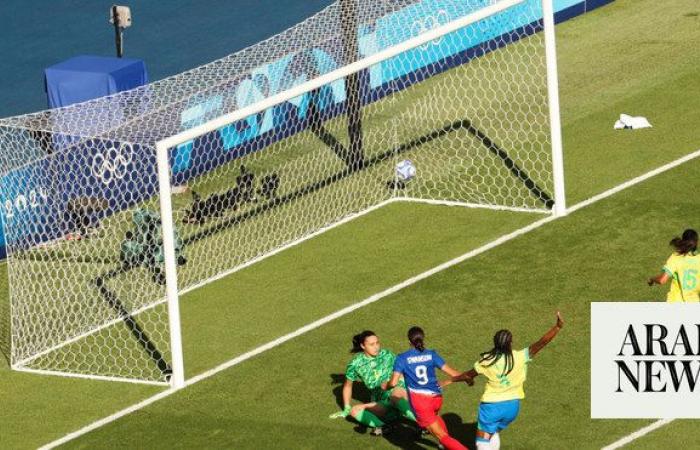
(405, 170)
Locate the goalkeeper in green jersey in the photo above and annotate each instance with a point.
(373, 366)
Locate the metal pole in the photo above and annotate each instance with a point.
(177, 379)
(554, 117)
(353, 101)
(117, 32)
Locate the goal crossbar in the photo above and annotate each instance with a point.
(334, 75)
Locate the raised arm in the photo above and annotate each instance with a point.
(547, 338)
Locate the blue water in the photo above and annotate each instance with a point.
(171, 36)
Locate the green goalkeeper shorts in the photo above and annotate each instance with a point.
(384, 399)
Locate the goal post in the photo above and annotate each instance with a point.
(177, 377)
(368, 103)
(349, 22)
(559, 208)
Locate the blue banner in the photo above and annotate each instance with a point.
(51, 197)
(260, 130)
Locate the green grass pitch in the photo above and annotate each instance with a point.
(638, 57)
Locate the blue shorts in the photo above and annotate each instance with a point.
(494, 417)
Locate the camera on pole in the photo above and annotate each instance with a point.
(120, 16)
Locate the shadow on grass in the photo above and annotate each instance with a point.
(4, 356)
(359, 391)
(458, 429)
(5, 330)
(405, 434)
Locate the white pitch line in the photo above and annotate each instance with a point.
(256, 351)
(637, 434)
(305, 329)
(89, 377)
(636, 180)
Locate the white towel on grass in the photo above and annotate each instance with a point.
(627, 122)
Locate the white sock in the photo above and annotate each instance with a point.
(480, 445)
(495, 442)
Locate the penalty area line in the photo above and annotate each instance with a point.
(342, 312)
(637, 434)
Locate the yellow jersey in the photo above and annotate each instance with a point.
(684, 271)
(501, 387)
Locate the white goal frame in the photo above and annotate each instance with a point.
(177, 379)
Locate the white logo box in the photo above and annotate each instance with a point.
(648, 389)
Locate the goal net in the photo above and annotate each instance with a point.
(180, 182)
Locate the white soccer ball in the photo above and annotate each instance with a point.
(405, 170)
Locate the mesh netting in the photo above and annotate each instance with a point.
(462, 119)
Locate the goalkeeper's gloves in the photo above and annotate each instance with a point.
(344, 413)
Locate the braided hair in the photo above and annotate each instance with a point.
(416, 337)
(687, 243)
(502, 347)
(359, 339)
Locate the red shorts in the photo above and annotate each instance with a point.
(426, 408)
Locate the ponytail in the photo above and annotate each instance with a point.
(416, 337)
(687, 243)
(359, 339)
(502, 347)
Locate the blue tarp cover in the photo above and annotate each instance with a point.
(85, 77)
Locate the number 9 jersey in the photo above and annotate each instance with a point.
(418, 370)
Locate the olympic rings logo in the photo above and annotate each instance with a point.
(113, 163)
(428, 23)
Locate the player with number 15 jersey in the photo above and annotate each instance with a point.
(682, 269)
